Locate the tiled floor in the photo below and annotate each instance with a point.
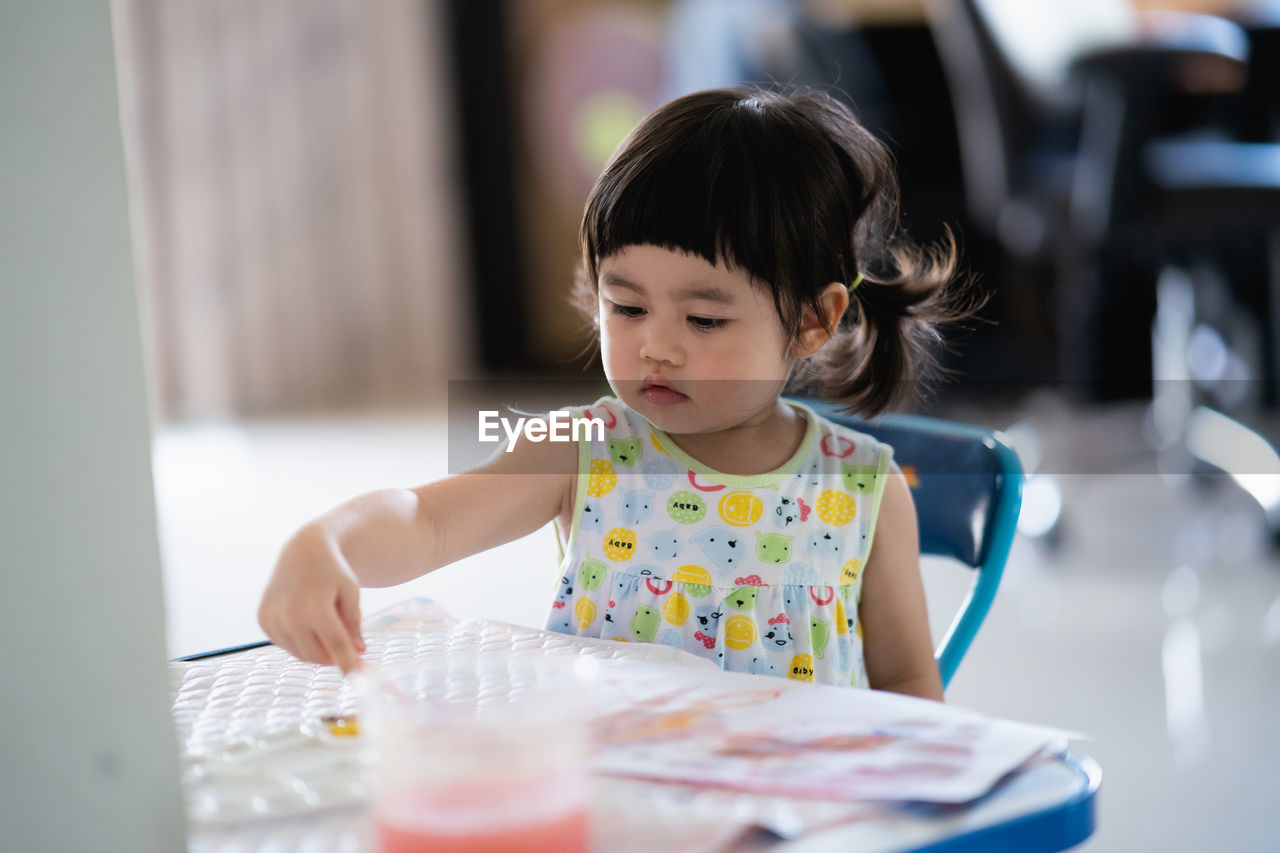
(1152, 624)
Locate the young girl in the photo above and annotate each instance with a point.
(740, 241)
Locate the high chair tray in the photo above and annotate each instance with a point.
(267, 765)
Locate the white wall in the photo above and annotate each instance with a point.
(86, 746)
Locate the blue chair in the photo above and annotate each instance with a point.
(967, 485)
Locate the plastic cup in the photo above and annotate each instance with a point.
(477, 753)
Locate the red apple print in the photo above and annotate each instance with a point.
(836, 445)
(693, 482)
(557, 604)
(749, 580)
(805, 509)
(609, 419)
(656, 586)
(829, 592)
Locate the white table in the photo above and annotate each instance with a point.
(260, 693)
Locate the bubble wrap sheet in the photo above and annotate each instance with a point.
(267, 690)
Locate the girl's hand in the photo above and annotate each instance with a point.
(311, 607)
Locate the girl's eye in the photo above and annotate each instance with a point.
(627, 310)
(707, 323)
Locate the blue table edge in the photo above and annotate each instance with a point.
(1057, 827)
(244, 647)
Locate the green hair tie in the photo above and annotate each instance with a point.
(857, 281)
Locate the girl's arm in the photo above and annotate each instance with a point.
(311, 603)
(897, 645)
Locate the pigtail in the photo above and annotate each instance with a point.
(884, 353)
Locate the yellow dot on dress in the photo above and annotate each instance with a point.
(692, 574)
(741, 509)
(850, 570)
(585, 610)
(620, 544)
(676, 610)
(740, 632)
(836, 508)
(801, 668)
(602, 478)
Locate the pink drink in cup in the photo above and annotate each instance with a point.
(478, 752)
(428, 825)
(563, 836)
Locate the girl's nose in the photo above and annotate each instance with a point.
(660, 345)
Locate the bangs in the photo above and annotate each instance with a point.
(731, 182)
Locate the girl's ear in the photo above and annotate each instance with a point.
(815, 329)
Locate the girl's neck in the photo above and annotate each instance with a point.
(749, 449)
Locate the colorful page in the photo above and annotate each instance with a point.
(770, 735)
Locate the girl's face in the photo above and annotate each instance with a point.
(692, 346)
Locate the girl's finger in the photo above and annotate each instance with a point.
(284, 639)
(332, 634)
(319, 655)
(306, 647)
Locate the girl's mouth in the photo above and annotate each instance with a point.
(659, 393)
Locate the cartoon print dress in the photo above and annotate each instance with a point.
(760, 574)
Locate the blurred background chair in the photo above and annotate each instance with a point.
(1106, 146)
(1104, 142)
(967, 486)
(1260, 110)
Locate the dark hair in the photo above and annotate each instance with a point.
(792, 190)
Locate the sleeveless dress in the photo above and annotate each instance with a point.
(760, 574)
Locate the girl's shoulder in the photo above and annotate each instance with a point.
(837, 445)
